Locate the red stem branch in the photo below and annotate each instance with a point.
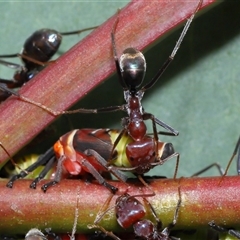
(203, 200)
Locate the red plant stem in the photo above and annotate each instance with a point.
(203, 200)
(83, 67)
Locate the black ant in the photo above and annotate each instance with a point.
(130, 212)
(37, 50)
(230, 231)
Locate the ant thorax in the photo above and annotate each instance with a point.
(133, 102)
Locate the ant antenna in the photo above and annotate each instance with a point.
(11, 159)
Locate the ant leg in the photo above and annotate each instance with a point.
(171, 225)
(74, 229)
(169, 150)
(218, 228)
(171, 57)
(98, 177)
(99, 217)
(238, 157)
(80, 110)
(102, 229)
(78, 31)
(22, 56)
(22, 174)
(172, 131)
(236, 150)
(12, 65)
(167, 147)
(141, 179)
(167, 230)
(11, 159)
(25, 99)
(217, 165)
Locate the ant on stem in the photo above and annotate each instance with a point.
(37, 50)
(223, 172)
(130, 212)
(143, 152)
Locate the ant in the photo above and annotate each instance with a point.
(130, 213)
(35, 233)
(131, 68)
(37, 50)
(83, 151)
(143, 152)
(230, 231)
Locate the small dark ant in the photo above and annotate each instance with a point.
(130, 213)
(230, 231)
(37, 50)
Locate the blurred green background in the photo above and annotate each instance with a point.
(198, 94)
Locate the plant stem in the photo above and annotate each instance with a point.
(203, 200)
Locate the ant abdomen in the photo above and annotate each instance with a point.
(41, 45)
(133, 67)
(168, 150)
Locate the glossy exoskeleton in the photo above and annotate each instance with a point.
(220, 229)
(131, 68)
(37, 50)
(130, 212)
(83, 151)
(143, 152)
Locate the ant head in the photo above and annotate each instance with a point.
(34, 233)
(145, 229)
(42, 45)
(128, 210)
(133, 67)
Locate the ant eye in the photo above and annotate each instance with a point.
(133, 67)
